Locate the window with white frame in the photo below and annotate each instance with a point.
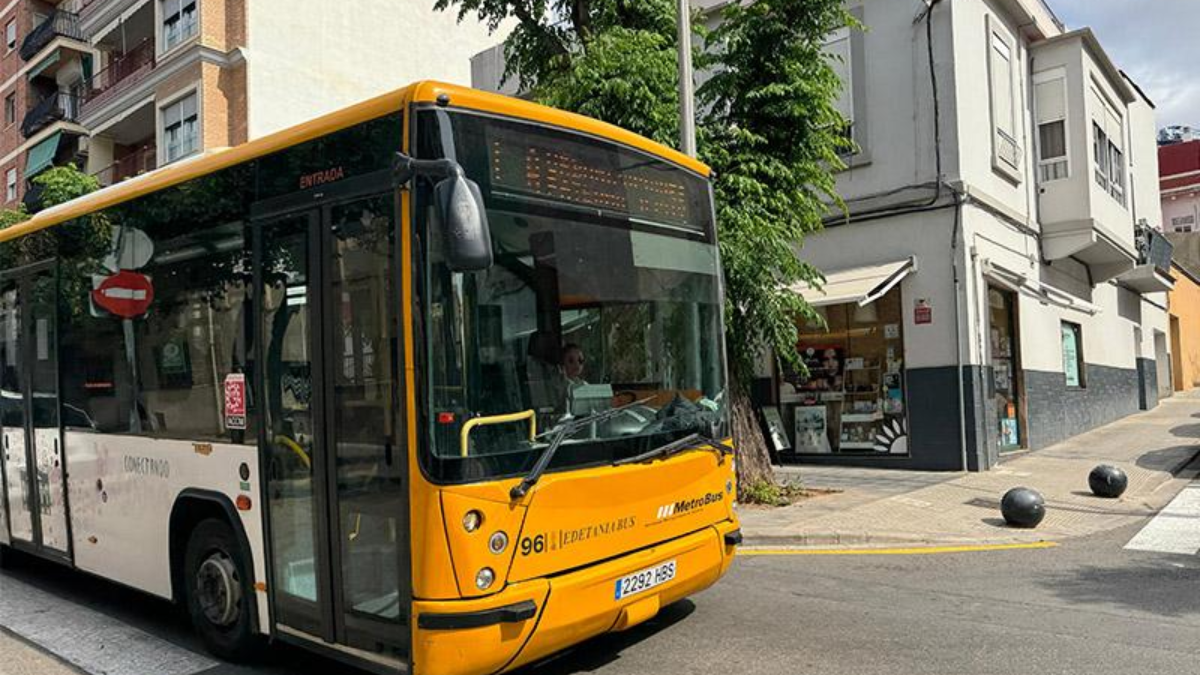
(10, 35)
(181, 128)
(1183, 223)
(1108, 134)
(10, 185)
(179, 20)
(838, 49)
(10, 109)
(1050, 96)
(1005, 148)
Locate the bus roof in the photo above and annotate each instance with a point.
(427, 91)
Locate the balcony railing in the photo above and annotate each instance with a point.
(1154, 249)
(137, 162)
(122, 72)
(59, 106)
(60, 23)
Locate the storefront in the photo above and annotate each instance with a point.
(852, 400)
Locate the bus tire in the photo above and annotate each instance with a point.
(218, 591)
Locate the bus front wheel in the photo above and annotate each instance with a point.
(217, 576)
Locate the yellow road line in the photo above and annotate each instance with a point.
(916, 550)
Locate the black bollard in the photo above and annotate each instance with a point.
(1023, 507)
(1107, 481)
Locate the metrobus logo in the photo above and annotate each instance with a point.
(685, 505)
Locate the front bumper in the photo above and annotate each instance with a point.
(533, 619)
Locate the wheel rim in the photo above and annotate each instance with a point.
(218, 589)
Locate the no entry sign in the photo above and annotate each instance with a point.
(126, 294)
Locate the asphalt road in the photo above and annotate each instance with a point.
(1087, 607)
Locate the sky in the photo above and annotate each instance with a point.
(1154, 41)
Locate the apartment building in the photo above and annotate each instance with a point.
(1179, 173)
(121, 87)
(1000, 284)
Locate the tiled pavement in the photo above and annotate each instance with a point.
(1157, 449)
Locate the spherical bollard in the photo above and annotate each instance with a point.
(1108, 481)
(1023, 507)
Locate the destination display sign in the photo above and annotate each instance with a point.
(594, 175)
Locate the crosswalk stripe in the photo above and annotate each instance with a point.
(89, 640)
(1176, 529)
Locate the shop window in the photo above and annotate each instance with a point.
(851, 400)
(1072, 355)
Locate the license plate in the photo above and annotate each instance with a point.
(644, 580)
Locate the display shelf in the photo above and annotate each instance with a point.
(858, 418)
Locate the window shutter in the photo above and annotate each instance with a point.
(1002, 94)
(171, 115)
(188, 107)
(1051, 100)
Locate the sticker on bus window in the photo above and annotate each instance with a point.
(235, 401)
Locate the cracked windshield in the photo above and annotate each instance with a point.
(603, 295)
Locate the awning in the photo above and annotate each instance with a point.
(860, 285)
(1032, 287)
(41, 156)
(44, 64)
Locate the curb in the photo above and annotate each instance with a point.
(821, 540)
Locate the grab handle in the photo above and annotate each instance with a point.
(465, 434)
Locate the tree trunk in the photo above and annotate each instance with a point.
(753, 458)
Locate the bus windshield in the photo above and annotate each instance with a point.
(605, 293)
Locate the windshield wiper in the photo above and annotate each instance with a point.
(557, 437)
(686, 443)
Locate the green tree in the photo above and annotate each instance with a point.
(770, 131)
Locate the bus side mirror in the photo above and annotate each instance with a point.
(467, 236)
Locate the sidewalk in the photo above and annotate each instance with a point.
(1157, 449)
(18, 658)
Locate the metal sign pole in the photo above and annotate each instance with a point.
(687, 104)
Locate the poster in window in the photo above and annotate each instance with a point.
(776, 429)
(174, 363)
(824, 365)
(1070, 352)
(812, 435)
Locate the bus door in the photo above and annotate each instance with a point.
(34, 471)
(332, 454)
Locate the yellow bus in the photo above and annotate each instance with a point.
(432, 384)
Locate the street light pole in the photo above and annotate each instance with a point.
(687, 103)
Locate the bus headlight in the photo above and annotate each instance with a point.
(472, 520)
(498, 542)
(484, 578)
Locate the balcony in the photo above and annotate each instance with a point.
(60, 106)
(60, 23)
(124, 71)
(135, 163)
(1153, 271)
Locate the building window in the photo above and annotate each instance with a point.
(1108, 133)
(852, 399)
(10, 185)
(10, 35)
(840, 56)
(1006, 151)
(1051, 101)
(1100, 155)
(181, 128)
(10, 109)
(1072, 354)
(1183, 223)
(179, 21)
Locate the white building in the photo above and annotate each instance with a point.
(998, 245)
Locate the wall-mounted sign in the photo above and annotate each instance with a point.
(235, 401)
(922, 312)
(126, 294)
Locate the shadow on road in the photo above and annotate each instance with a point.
(1158, 587)
(1175, 459)
(599, 652)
